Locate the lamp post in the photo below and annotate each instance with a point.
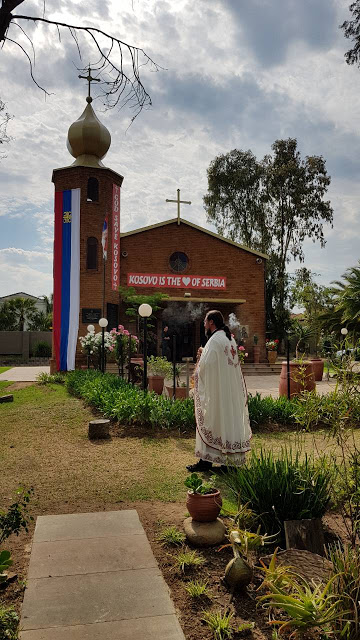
(90, 329)
(344, 333)
(103, 323)
(145, 311)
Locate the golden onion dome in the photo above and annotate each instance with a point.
(88, 139)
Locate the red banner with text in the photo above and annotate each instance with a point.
(115, 239)
(166, 281)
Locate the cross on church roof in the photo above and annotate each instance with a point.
(178, 201)
(90, 79)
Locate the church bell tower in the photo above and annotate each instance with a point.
(87, 214)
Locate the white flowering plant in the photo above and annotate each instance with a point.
(91, 343)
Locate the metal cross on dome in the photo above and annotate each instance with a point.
(178, 201)
(90, 79)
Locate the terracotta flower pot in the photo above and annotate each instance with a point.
(156, 383)
(301, 378)
(204, 507)
(256, 353)
(271, 356)
(318, 366)
(180, 392)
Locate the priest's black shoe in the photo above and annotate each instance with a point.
(201, 465)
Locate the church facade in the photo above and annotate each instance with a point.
(197, 270)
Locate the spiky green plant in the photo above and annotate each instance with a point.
(186, 560)
(219, 623)
(346, 588)
(171, 536)
(197, 589)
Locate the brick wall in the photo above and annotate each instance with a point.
(149, 252)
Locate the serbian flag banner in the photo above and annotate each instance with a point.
(66, 277)
(104, 238)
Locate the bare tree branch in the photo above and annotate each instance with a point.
(120, 86)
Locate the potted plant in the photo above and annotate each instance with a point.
(272, 347)
(159, 369)
(256, 350)
(180, 389)
(242, 354)
(301, 377)
(203, 499)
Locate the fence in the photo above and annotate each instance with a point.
(22, 343)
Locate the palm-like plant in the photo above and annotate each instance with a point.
(22, 309)
(346, 303)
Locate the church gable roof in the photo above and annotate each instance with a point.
(194, 226)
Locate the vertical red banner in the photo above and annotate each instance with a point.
(115, 241)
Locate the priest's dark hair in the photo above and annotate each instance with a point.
(218, 320)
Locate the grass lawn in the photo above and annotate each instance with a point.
(45, 444)
(3, 369)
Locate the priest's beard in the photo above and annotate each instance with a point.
(208, 333)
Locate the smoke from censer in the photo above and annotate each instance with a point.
(178, 314)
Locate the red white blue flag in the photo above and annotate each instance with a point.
(104, 238)
(66, 277)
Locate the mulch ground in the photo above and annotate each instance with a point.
(154, 517)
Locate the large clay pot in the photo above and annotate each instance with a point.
(271, 356)
(180, 392)
(298, 381)
(318, 366)
(204, 507)
(256, 353)
(156, 383)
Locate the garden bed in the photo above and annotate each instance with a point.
(154, 517)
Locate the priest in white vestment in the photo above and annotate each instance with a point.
(222, 419)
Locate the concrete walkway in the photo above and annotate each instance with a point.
(93, 576)
(23, 374)
(265, 385)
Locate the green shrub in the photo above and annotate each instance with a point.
(268, 409)
(121, 401)
(47, 378)
(313, 410)
(42, 350)
(9, 622)
(16, 517)
(345, 590)
(282, 488)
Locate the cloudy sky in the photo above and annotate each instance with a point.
(237, 74)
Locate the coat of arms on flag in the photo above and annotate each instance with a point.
(66, 277)
(104, 238)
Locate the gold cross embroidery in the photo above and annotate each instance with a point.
(67, 216)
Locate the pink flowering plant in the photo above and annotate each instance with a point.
(272, 345)
(120, 337)
(242, 354)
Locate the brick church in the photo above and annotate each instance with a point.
(198, 270)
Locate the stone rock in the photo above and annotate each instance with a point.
(8, 398)
(308, 565)
(204, 534)
(99, 429)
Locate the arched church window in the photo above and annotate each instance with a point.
(92, 253)
(178, 261)
(92, 190)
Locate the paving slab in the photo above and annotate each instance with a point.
(78, 526)
(95, 597)
(23, 374)
(157, 628)
(92, 576)
(97, 555)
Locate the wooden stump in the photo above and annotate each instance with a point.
(8, 398)
(99, 429)
(305, 534)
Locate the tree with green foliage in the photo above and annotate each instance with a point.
(272, 205)
(40, 321)
(351, 30)
(7, 318)
(22, 310)
(344, 310)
